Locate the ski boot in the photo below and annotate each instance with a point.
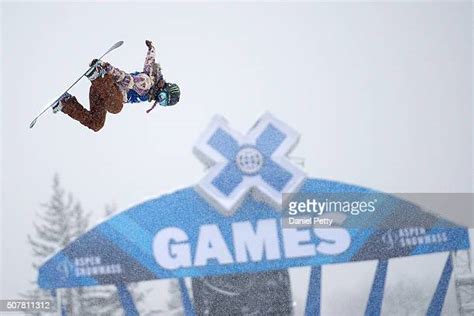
(58, 105)
(98, 69)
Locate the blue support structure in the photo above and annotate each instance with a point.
(187, 304)
(437, 301)
(60, 306)
(313, 301)
(127, 300)
(374, 305)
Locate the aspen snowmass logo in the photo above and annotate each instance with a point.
(256, 162)
(87, 266)
(412, 237)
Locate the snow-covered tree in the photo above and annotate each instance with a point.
(60, 221)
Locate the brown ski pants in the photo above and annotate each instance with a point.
(104, 96)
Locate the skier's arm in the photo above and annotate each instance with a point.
(151, 68)
(121, 77)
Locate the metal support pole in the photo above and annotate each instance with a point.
(59, 303)
(126, 299)
(437, 301)
(374, 305)
(313, 300)
(187, 304)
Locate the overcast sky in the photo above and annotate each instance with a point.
(381, 94)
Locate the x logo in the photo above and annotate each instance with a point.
(255, 162)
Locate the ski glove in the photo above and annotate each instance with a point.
(149, 44)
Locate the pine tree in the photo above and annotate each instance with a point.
(61, 221)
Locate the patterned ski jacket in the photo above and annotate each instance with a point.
(135, 86)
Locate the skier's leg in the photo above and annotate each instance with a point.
(95, 117)
(111, 94)
(104, 96)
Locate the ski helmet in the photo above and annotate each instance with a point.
(174, 93)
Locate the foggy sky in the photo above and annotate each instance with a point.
(381, 94)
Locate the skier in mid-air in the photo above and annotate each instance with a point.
(112, 87)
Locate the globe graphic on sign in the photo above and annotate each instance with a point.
(249, 160)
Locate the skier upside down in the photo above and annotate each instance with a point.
(112, 87)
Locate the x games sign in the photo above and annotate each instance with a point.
(198, 232)
(256, 162)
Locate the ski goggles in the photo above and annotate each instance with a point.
(163, 98)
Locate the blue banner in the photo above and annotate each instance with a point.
(182, 235)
